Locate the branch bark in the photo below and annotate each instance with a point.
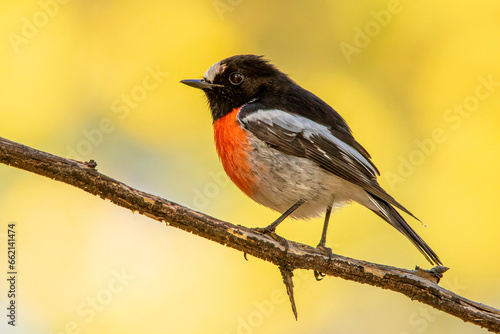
(417, 284)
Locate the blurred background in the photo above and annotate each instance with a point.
(418, 82)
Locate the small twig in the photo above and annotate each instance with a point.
(412, 283)
(287, 275)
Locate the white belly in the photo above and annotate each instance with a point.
(283, 180)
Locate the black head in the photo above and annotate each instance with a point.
(234, 81)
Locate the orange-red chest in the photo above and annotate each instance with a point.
(233, 148)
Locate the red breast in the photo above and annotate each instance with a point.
(231, 141)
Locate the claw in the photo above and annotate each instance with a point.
(319, 276)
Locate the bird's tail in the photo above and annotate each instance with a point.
(389, 214)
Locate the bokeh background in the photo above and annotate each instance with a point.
(418, 82)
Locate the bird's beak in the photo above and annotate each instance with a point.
(200, 84)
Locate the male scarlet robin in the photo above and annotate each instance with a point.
(287, 149)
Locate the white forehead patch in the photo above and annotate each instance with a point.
(213, 70)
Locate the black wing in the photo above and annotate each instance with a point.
(334, 150)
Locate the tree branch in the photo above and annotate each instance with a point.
(417, 284)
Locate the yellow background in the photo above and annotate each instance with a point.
(60, 80)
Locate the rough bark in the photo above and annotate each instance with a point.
(417, 284)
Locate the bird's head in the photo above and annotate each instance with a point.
(235, 81)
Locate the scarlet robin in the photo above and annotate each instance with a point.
(289, 150)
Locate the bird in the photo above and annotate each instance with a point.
(290, 151)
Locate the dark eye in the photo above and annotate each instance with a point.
(236, 78)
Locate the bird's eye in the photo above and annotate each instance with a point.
(236, 78)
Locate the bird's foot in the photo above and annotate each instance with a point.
(325, 250)
(264, 230)
(271, 232)
(328, 252)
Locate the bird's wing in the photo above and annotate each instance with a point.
(335, 151)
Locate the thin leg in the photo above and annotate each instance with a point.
(272, 227)
(322, 242)
(321, 246)
(278, 221)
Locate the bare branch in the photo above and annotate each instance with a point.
(417, 284)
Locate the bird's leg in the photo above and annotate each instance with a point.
(322, 241)
(321, 246)
(272, 227)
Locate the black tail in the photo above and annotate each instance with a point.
(389, 214)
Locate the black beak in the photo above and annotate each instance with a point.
(200, 84)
